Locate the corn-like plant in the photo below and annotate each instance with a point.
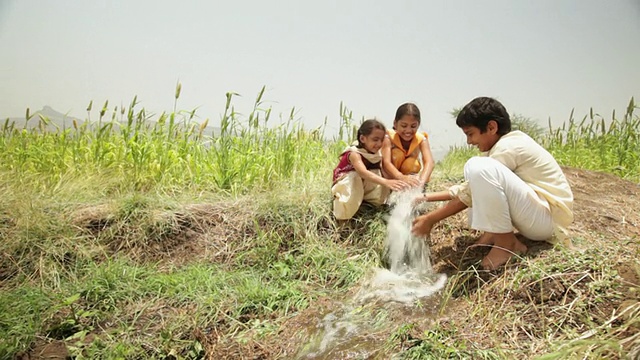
(598, 144)
(171, 151)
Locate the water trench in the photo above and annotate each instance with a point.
(408, 289)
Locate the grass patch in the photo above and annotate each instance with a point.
(596, 143)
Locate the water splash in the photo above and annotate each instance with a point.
(344, 333)
(405, 288)
(410, 275)
(406, 253)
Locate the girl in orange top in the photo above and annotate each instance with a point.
(404, 148)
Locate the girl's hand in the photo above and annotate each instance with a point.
(412, 181)
(396, 185)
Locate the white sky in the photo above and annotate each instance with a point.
(540, 58)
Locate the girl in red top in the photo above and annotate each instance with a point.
(404, 147)
(358, 176)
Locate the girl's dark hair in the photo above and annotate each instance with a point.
(409, 109)
(367, 127)
(480, 111)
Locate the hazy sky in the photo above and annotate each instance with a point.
(540, 58)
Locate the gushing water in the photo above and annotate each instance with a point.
(343, 333)
(406, 252)
(410, 275)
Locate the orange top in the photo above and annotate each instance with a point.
(415, 142)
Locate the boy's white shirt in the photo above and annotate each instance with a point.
(538, 169)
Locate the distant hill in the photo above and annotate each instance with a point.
(56, 118)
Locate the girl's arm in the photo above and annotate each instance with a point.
(427, 161)
(365, 174)
(386, 160)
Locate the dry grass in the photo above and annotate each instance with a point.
(554, 303)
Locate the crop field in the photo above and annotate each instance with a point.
(135, 235)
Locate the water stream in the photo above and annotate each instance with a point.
(346, 332)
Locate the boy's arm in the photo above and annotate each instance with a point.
(434, 196)
(462, 192)
(427, 161)
(438, 196)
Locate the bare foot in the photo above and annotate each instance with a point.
(504, 247)
(422, 225)
(484, 240)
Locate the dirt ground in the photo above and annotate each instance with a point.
(607, 221)
(605, 207)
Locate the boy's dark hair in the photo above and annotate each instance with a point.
(479, 111)
(367, 127)
(409, 109)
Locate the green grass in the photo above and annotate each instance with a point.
(169, 153)
(142, 236)
(91, 215)
(596, 143)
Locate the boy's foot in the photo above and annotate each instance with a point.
(504, 247)
(484, 240)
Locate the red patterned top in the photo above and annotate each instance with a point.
(345, 166)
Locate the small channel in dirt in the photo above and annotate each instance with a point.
(407, 289)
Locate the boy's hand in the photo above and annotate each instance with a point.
(422, 226)
(420, 199)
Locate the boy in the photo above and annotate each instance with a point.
(517, 183)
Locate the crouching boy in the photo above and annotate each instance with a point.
(515, 184)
